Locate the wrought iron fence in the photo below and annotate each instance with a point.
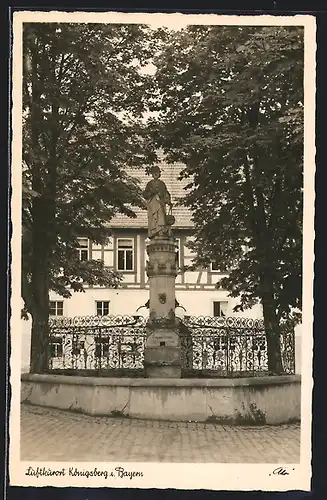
(222, 346)
(97, 343)
(232, 345)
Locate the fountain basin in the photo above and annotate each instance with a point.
(239, 401)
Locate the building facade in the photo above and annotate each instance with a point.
(125, 252)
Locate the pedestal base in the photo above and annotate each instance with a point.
(157, 371)
(162, 355)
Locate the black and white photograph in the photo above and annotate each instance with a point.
(162, 250)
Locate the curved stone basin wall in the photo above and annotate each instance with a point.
(252, 401)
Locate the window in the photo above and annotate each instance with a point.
(56, 308)
(125, 254)
(220, 308)
(55, 342)
(83, 249)
(77, 347)
(102, 308)
(214, 266)
(101, 347)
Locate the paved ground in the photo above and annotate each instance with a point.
(55, 435)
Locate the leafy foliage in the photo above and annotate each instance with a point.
(229, 103)
(79, 80)
(82, 110)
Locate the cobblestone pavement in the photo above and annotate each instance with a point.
(55, 435)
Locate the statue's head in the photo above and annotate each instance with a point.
(155, 172)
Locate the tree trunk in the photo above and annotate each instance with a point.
(40, 292)
(262, 239)
(40, 339)
(43, 216)
(272, 329)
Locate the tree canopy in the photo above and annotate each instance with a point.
(80, 84)
(227, 101)
(229, 104)
(82, 110)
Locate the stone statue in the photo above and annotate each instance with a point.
(157, 197)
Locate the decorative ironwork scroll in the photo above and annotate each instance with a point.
(97, 342)
(233, 345)
(224, 346)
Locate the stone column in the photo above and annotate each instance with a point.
(162, 357)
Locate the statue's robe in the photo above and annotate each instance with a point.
(157, 197)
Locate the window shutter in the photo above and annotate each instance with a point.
(216, 308)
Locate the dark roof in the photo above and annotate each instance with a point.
(169, 174)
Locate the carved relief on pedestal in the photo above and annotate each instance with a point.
(159, 245)
(156, 269)
(162, 298)
(162, 259)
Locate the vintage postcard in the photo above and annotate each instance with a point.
(162, 250)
